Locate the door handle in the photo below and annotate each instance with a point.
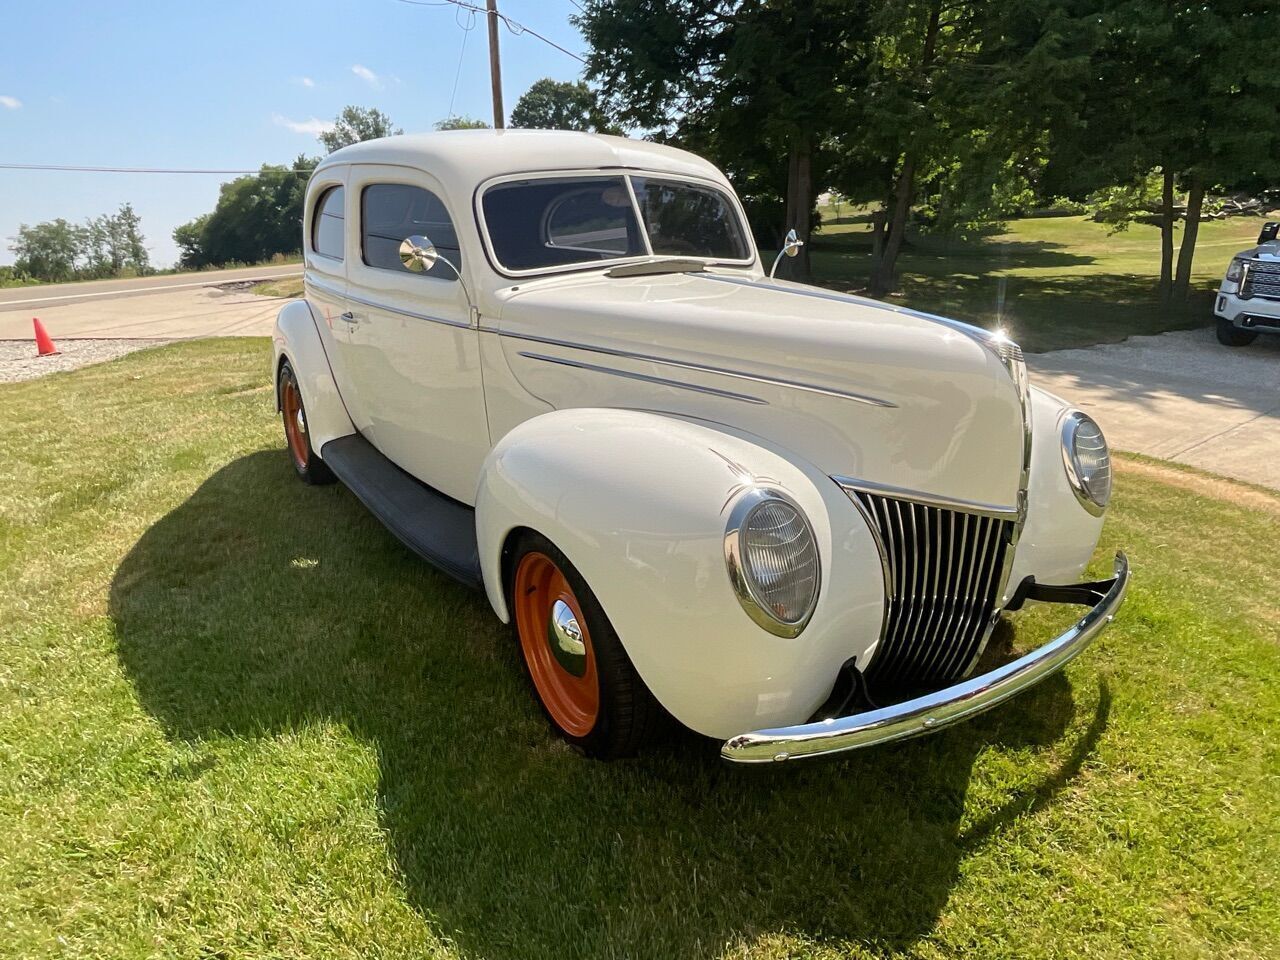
(349, 317)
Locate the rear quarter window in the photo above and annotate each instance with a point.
(327, 226)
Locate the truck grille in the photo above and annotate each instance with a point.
(1262, 280)
(944, 569)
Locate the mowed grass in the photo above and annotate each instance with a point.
(1052, 282)
(238, 719)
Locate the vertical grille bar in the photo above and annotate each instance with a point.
(945, 567)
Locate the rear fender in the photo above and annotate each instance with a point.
(297, 339)
(639, 503)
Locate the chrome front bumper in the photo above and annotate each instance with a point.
(937, 710)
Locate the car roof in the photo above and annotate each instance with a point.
(463, 159)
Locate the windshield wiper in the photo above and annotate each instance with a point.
(649, 268)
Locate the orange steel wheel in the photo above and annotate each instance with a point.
(295, 420)
(556, 644)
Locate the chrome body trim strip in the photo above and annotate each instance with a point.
(692, 365)
(934, 711)
(644, 377)
(461, 324)
(850, 484)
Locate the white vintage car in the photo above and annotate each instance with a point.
(1248, 300)
(554, 365)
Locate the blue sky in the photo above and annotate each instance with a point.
(231, 85)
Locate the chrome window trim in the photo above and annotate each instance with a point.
(400, 311)
(1066, 436)
(692, 365)
(743, 589)
(992, 510)
(644, 377)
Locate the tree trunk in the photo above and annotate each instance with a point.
(882, 273)
(877, 234)
(885, 269)
(1166, 239)
(1187, 252)
(800, 200)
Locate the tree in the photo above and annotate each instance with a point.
(747, 83)
(114, 243)
(190, 240)
(461, 123)
(1185, 92)
(560, 105)
(48, 251)
(355, 125)
(256, 218)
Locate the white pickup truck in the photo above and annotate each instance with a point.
(1249, 299)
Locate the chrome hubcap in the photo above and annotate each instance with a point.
(564, 637)
(300, 420)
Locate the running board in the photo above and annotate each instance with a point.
(440, 530)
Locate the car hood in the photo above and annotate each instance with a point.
(860, 388)
(1265, 251)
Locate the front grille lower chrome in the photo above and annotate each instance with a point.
(1262, 279)
(945, 570)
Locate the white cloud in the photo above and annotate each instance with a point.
(10, 103)
(367, 75)
(313, 126)
(306, 82)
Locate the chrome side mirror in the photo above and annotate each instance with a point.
(790, 248)
(418, 254)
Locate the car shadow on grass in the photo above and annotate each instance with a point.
(260, 606)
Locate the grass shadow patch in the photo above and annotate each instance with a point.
(259, 606)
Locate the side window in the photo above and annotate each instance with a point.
(390, 212)
(326, 226)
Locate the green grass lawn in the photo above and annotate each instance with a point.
(1052, 282)
(238, 719)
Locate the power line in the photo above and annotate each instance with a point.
(515, 27)
(66, 168)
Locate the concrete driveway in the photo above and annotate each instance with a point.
(1179, 396)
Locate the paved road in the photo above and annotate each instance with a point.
(163, 308)
(1179, 396)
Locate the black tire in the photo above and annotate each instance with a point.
(628, 716)
(1229, 335)
(308, 465)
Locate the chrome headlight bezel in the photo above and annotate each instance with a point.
(1089, 498)
(745, 585)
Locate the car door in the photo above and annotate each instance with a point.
(412, 351)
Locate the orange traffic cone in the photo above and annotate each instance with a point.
(44, 345)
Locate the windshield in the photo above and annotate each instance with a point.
(552, 222)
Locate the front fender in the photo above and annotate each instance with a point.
(638, 502)
(296, 337)
(1060, 535)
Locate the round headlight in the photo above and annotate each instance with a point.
(1088, 463)
(773, 561)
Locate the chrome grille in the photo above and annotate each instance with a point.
(1262, 280)
(944, 569)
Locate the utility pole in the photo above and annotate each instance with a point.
(495, 66)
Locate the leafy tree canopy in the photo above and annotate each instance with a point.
(110, 245)
(560, 105)
(461, 123)
(257, 217)
(355, 125)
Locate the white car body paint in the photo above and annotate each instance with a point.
(617, 416)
